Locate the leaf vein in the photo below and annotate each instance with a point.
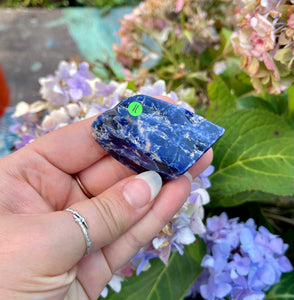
(251, 159)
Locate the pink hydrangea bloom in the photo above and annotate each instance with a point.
(265, 41)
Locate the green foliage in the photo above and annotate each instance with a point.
(254, 102)
(279, 103)
(64, 3)
(34, 3)
(222, 101)
(284, 290)
(255, 154)
(291, 102)
(108, 3)
(246, 196)
(254, 160)
(161, 282)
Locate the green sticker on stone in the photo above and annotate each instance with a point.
(135, 109)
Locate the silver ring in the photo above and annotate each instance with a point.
(84, 226)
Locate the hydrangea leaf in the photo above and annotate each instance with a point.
(254, 102)
(222, 100)
(291, 101)
(255, 154)
(284, 290)
(258, 196)
(161, 282)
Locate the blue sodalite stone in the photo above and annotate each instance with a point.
(157, 136)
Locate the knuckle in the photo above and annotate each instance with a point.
(111, 215)
(159, 220)
(134, 241)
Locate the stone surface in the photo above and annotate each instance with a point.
(154, 135)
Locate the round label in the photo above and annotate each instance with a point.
(135, 109)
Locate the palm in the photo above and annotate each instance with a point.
(37, 180)
(40, 186)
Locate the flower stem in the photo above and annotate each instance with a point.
(279, 218)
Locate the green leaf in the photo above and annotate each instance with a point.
(254, 102)
(237, 81)
(225, 39)
(284, 290)
(131, 85)
(222, 101)
(200, 75)
(188, 95)
(278, 102)
(291, 102)
(247, 196)
(161, 282)
(197, 250)
(255, 154)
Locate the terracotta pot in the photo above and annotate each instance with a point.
(4, 93)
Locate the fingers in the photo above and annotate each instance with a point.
(103, 174)
(108, 171)
(115, 255)
(71, 148)
(202, 163)
(169, 201)
(108, 216)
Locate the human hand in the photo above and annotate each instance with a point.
(42, 248)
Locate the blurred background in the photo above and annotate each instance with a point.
(35, 35)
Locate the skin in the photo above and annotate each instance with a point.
(42, 248)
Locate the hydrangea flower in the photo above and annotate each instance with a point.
(265, 42)
(69, 83)
(114, 283)
(146, 30)
(243, 261)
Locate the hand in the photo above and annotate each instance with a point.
(42, 248)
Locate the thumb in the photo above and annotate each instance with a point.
(108, 215)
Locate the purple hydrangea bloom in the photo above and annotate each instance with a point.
(84, 72)
(141, 259)
(65, 70)
(70, 82)
(205, 174)
(158, 88)
(53, 91)
(180, 231)
(78, 87)
(242, 261)
(25, 139)
(104, 89)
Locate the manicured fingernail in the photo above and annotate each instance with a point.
(154, 181)
(142, 189)
(189, 176)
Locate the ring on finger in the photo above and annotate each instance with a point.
(81, 186)
(81, 221)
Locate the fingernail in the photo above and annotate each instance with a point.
(189, 176)
(142, 189)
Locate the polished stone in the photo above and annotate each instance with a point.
(145, 133)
